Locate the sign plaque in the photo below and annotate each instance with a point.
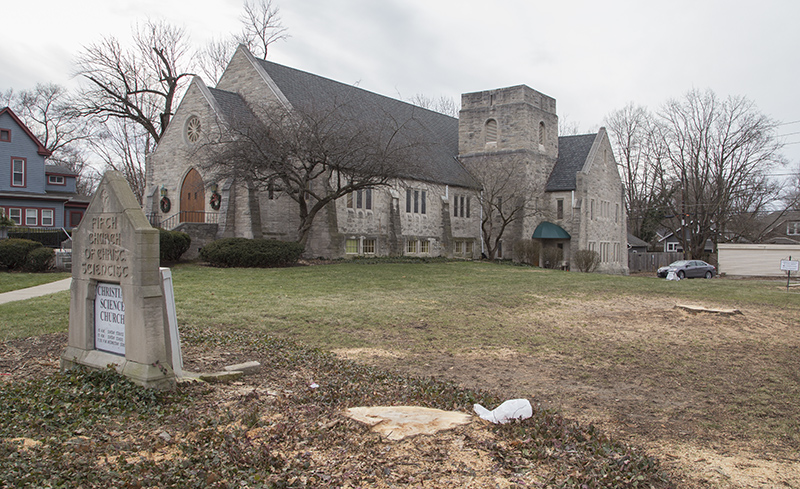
(790, 265)
(109, 319)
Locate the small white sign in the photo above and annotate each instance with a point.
(790, 265)
(109, 319)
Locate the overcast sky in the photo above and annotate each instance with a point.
(592, 57)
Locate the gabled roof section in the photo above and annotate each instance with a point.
(572, 154)
(59, 170)
(41, 150)
(231, 106)
(434, 136)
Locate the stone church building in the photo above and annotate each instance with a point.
(434, 209)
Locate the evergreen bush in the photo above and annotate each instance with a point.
(173, 244)
(40, 259)
(251, 253)
(14, 252)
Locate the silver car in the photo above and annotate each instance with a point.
(688, 269)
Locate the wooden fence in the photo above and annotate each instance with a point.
(651, 261)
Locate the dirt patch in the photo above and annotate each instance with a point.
(704, 393)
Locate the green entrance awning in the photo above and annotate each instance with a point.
(548, 230)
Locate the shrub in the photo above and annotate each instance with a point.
(552, 257)
(173, 244)
(527, 251)
(243, 252)
(587, 261)
(14, 252)
(40, 259)
(6, 222)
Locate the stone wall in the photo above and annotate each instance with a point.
(603, 216)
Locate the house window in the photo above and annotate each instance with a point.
(17, 172)
(31, 217)
(75, 218)
(500, 250)
(5, 135)
(424, 246)
(351, 247)
(591, 210)
(459, 248)
(369, 246)
(560, 209)
(16, 216)
(616, 213)
(56, 180)
(416, 201)
(411, 246)
(47, 217)
(672, 246)
(468, 248)
(793, 228)
(491, 131)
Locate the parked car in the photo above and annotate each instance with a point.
(688, 269)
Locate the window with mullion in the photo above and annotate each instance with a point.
(17, 172)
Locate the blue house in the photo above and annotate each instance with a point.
(34, 194)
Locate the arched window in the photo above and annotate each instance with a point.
(541, 133)
(491, 131)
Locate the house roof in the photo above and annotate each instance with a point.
(636, 242)
(572, 154)
(433, 136)
(59, 170)
(41, 150)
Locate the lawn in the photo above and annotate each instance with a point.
(712, 396)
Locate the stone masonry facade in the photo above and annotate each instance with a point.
(410, 216)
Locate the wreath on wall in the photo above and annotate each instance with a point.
(166, 205)
(215, 201)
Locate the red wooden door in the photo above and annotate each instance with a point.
(193, 198)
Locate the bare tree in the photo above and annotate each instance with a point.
(721, 153)
(48, 111)
(640, 155)
(140, 84)
(503, 199)
(314, 155)
(123, 145)
(443, 105)
(214, 58)
(262, 27)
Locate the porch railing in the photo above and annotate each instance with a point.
(172, 221)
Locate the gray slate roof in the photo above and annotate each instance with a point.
(572, 154)
(434, 135)
(232, 105)
(61, 170)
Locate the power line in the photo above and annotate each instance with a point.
(787, 123)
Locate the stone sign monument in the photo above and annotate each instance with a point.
(117, 312)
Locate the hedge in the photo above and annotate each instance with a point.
(173, 244)
(248, 253)
(14, 252)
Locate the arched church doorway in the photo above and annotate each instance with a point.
(193, 198)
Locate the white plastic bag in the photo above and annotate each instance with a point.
(502, 414)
